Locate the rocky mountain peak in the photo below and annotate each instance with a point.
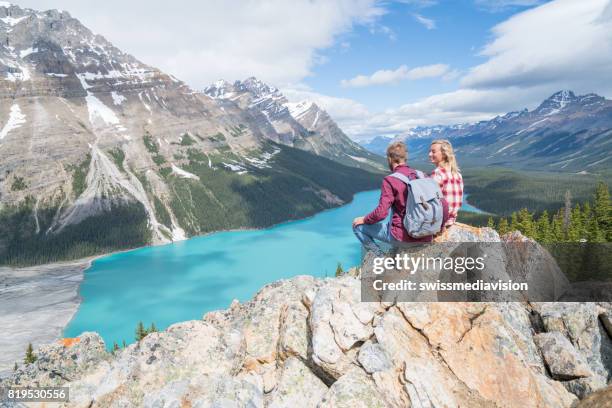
(256, 87)
(556, 102)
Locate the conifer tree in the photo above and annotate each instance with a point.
(557, 228)
(567, 212)
(152, 328)
(123, 344)
(602, 208)
(503, 226)
(339, 269)
(592, 231)
(514, 221)
(543, 229)
(525, 223)
(141, 332)
(491, 223)
(15, 367)
(30, 357)
(115, 346)
(575, 230)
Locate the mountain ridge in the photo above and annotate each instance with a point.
(566, 132)
(98, 147)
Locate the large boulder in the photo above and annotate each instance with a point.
(314, 342)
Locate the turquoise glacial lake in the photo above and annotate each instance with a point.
(183, 280)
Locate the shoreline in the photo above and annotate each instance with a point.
(36, 304)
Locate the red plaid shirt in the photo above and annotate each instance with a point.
(452, 188)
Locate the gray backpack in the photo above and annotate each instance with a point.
(424, 205)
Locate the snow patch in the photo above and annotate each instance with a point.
(98, 110)
(144, 103)
(53, 74)
(531, 126)
(298, 109)
(22, 75)
(316, 119)
(12, 21)
(262, 162)
(15, 120)
(183, 174)
(117, 98)
(27, 51)
(359, 159)
(235, 167)
(507, 146)
(598, 161)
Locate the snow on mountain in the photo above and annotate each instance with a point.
(303, 124)
(565, 132)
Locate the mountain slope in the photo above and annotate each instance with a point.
(102, 152)
(303, 125)
(565, 133)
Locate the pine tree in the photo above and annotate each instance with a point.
(557, 228)
(525, 223)
(30, 357)
(339, 270)
(514, 221)
(123, 344)
(602, 208)
(141, 332)
(575, 231)
(543, 229)
(491, 223)
(15, 367)
(115, 346)
(567, 212)
(593, 233)
(152, 328)
(503, 227)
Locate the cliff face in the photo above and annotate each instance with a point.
(95, 144)
(311, 343)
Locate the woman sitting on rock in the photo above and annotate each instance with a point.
(447, 175)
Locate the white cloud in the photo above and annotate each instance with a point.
(461, 106)
(500, 5)
(343, 110)
(419, 3)
(201, 41)
(385, 76)
(566, 42)
(563, 44)
(427, 22)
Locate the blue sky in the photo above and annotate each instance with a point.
(462, 28)
(379, 67)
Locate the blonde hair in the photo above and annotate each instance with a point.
(397, 152)
(450, 161)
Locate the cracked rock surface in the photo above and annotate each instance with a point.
(311, 342)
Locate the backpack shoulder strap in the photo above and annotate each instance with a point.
(420, 174)
(401, 177)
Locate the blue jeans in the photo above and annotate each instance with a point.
(381, 231)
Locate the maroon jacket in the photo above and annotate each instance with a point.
(393, 193)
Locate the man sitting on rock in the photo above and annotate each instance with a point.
(375, 226)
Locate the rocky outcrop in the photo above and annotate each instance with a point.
(313, 343)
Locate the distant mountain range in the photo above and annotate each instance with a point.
(99, 151)
(567, 132)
